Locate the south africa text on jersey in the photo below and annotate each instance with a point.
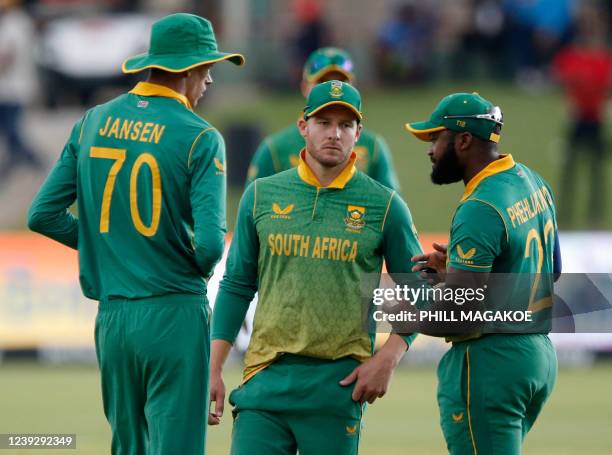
(132, 130)
(332, 248)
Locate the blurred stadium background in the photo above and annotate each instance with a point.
(408, 55)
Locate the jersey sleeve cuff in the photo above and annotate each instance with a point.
(470, 267)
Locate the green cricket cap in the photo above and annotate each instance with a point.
(462, 112)
(178, 43)
(327, 60)
(332, 93)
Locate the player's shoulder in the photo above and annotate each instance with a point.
(368, 139)
(287, 177)
(190, 122)
(514, 183)
(496, 185)
(281, 137)
(475, 205)
(533, 174)
(113, 105)
(271, 186)
(373, 188)
(369, 135)
(168, 111)
(479, 216)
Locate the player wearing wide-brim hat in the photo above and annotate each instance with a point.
(180, 42)
(148, 175)
(311, 241)
(505, 223)
(280, 151)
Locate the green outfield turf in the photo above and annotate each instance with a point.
(66, 399)
(534, 133)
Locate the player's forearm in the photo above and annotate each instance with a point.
(229, 312)
(219, 353)
(49, 214)
(209, 248)
(393, 350)
(60, 226)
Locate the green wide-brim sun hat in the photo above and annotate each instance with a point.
(180, 42)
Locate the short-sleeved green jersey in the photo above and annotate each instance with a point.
(313, 253)
(148, 176)
(506, 224)
(280, 151)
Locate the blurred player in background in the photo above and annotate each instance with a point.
(17, 83)
(584, 69)
(148, 175)
(492, 386)
(311, 241)
(280, 151)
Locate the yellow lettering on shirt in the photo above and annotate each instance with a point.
(126, 126)
(298, 245)
(145, 135)
(520, 212)
(324, 246)
(316, 252)
(304, 246)
(114, 131)
(512, 215)
(103, 131)
(157, 132)
(333, 243)
(271, 244)
(353, 254)
(136, 130)
(131, 130)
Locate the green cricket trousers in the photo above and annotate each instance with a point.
(296, 404)
(153, 355)
(491, 390)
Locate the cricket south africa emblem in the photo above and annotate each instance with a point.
(336, 89)
(354, 219)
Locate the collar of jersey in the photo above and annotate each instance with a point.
(339, 182)
(503, 164)
(150, 89)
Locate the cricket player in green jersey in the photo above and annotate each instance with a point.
(148, 175)
(281, 150)
(492, 386)
(311, 240)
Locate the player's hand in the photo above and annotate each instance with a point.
(373, 377)
(217, 395)
(432, 265)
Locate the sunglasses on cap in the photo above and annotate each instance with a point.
(495, 115)
(337, 61)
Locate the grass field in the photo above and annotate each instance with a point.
(66, 399)
(534, 134)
